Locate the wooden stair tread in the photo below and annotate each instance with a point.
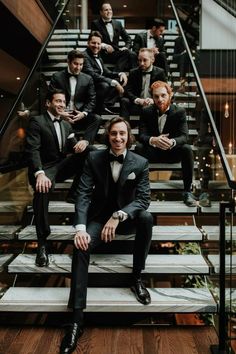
(166, 300)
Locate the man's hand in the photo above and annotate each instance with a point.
(123, 79)
(109, 48)
(78, 116)
(120, 89)
(123, 48)
(67, 116)
(80, 146)
(82, 240)
(108, 231)
(43, 183)
(162, 141)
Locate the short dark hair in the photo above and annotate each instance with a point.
(50, 94)
(73, 54)
(108, 127)
(157, 22)
(94, 34)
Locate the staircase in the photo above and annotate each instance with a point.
(176, 226)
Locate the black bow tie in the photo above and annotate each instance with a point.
(74, 75)
(119, 158)
(106, 22)
(146, 72)
(55, 120)
(96, 56)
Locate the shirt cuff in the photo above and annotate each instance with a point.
(114, 83)
(173, 143)
(80, 227)
(124, 215)
(150, 142)
(38, 172)
(136, 101)
(85, 113)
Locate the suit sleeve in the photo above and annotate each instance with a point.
(130, 88)
(33, 145)
(137, 43)
(84, 191)
(181, 136)
(144, 133)
(90, 103)
(125, 36)
(142, 194)
(88, 69)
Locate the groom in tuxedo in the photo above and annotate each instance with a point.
(113, 199)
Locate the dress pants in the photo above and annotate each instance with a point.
(124, 60)
(66, 168)
(80, 262)
(127, 108)
(182, 153)
(87, 127)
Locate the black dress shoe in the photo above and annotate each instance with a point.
(140, 292)
(69, 342)
(42, 257)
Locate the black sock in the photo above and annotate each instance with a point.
(78, 316)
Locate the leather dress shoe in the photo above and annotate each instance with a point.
(189, 199)
(140, 292)
(69, 342)
(42, 257)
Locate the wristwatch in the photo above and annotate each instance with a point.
(117, 216)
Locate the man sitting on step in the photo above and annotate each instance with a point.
(108, 84)
(51, 158)
(163, 134)
(80, 97)
(110, 199)
(137, 92)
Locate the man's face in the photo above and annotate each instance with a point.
(57, 105)
(118, 137)
(158, 31)
(162, 98)
(76, 65)
(95, 44)
(145, 60)
(106, 12)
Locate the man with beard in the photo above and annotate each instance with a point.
(163, 135)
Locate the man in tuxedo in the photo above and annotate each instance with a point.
(163, 134)
(80, 98)
(50, 159)
(108, 84)
(137, 92)
(152, 38)
(112, 199)
(111, 31)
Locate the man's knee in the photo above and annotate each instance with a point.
(145, 217)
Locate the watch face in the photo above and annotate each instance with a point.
(115, 215)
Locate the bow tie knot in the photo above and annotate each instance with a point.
(56, 120)
(119, 158)
(73, 75)
(106, 22)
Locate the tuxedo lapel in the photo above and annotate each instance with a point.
(53, 130)
(127, 168)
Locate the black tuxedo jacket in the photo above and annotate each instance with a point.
(85, 96)
(134, 85)
(92, 68)
(42, 146)
(133, 186)
(119, 32)
(140, 41)
(176, 124)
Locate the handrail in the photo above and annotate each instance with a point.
(5, 123)
(227, 170)
(226, 6)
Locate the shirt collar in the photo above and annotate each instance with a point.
(124, 152)
(52, 116)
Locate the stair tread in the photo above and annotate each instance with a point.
(4, 258)
(160, 233)
(230, 263)
(161, 207)
(212, 232)
(7, 232)
(114, 263)
(175, 300)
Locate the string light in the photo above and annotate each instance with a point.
(226, 114)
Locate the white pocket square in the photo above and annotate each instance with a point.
(132, 175)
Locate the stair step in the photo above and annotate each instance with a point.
(160, 233)
(64, 36)
(114, 263)
(213, 209)
(212, 232)
(12, 206)
(135, 131)
(8, 232)
(161, 207)
(63, 44)
(4, 259)
(230, 263)
(166, 300)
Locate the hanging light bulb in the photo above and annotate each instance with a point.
(226, 114)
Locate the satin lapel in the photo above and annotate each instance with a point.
(105, 171)
(66, 81)
(63, 134)
(52, 128)
(127, 168)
